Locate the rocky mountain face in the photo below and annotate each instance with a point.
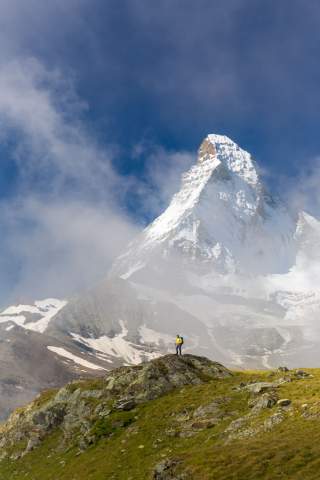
(226, 265)
(222, 218)
(147, 422)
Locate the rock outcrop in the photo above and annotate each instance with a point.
(78, 408)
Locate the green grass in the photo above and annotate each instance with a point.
(130, 444)
(45, 397)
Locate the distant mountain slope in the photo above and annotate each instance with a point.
(32, 317)
(35, 356)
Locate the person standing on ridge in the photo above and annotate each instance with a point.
(179, 343)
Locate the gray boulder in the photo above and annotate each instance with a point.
(150, 380)
(283, 402)
(266, 400)
(260, 387)
(165, 470)
(283, 369)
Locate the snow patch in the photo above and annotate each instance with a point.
(117, 346)
(132, 270)
(47, 308)
(80, 361)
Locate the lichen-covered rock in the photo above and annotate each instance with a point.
(187, 422)
(50, 417)
(274, 420)
(260, 387)
(166, 470)
(212, 409)
(266, 400)
(204, 424)
(301, 374)
(241, 428)
(237, 425)
(125, 404)
(78, 410)
(153, 379)
(282, 380)
(248, 426)
(34, 441)
(311, 411)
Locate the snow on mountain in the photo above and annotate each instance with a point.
(78, 360)
(34, 317)
(118, 346)
(222, 216)
(37, 317)
(303, 277)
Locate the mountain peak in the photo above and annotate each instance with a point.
(221, 216)
(208, 146)
(221, 148)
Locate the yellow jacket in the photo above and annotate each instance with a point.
(179, 341)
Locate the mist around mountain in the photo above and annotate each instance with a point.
(226, 265)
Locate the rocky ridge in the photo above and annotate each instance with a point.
(77, 410)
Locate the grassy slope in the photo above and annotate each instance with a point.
(290, 451)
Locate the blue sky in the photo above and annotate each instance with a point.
(104, 102)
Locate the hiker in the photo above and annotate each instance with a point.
(179, 343)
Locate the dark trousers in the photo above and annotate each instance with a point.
(178, 349)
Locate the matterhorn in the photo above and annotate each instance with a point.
(222, 219)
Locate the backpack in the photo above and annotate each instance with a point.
(181, 340)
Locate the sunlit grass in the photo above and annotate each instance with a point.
(130, 444)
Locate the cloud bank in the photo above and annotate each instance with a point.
(63, 226)
(68, 218)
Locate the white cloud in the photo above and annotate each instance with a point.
(64, 226)
(61, 246)
(42, 107)
(162, 176)
(303, 191)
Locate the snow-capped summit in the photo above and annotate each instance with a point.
(230, 154)
(222, 216)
